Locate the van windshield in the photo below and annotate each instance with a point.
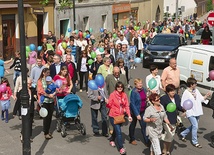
(165, 40)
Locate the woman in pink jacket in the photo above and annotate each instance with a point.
(118, 105)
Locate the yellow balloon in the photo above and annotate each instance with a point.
(187, 35)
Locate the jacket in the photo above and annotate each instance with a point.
(53, 69)
(115, 109)
(135, 102)
(79, 64)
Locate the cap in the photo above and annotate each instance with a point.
(48, 78)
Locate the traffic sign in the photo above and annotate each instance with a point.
(210, 19)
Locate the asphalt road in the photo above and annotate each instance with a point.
(77, 144)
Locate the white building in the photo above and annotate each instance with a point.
(190, 7)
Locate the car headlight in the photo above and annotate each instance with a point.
(173, 52)
(147, 52)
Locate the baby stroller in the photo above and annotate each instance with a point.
(69, 113)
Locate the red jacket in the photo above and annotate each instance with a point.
(118, 104)
(6, 96)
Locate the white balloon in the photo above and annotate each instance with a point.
(43, 112)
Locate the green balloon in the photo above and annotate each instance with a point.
(49, 47)
(90, 30)
(127, 22)
(114, 35)
(27, 54)
(135, 28)
(90, 61)
(138, 28)
(130, 91)
(152, 83)
(84, 34)
(64, 45)
(93, 55)
(101, 49)
(27, 49)
(141, 55)
(76, 31)
(171, 107)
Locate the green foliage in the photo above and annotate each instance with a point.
(63, 3)
(44, 2)
(209, 5)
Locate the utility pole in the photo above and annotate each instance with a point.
(176, 10)
(26, 147)
(74, 14)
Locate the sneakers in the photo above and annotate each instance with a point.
(48, 136)
(80, 90)
(122, 151)
(134, 67)
(112, 143)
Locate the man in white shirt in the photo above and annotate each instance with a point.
(122, 40)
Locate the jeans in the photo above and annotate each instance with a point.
(143, 128)
(15, 75)
(94, 114)
(117, 133)
(194, 128)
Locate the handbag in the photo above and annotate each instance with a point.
(119, 119)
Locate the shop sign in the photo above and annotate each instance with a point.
(119, 8)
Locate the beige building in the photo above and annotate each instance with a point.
(38, 21)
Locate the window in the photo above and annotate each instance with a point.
(211, 64)
(104, 23)
(86, 23)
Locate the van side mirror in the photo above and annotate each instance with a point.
(208, 79)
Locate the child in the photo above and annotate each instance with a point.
(17, 66)
(31, 60)
(51, 88)
(5, 99)
(132, 52)
(2, 69)
(68, 52)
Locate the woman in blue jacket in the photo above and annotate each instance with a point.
(138, 105)
(170, 97)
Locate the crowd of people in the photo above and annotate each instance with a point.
(79, 58)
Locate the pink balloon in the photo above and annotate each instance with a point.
(211, 75)
(95, 48)
(3, 88)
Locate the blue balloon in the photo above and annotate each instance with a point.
(32, 47)
(88, 36)
(58, 83)
(69, 29)
(137, 60)
(39, 48)
(92, 85)
(101, 30)
(99, 79)
(124, 27)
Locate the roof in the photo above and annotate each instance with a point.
(209, 48)
(7, 6)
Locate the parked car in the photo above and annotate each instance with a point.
(197, 38)
(161, 48)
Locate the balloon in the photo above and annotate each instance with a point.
(137, 60)
(114, 35)
(141, 55)
(58, 83)
(27, 48)
(88, 36)
(59, 52)
(99, 80)
(138, 28)
(84, 34)
(144, 35)
(130, 92)
(76, 31)
(101, 49)
(93, 55)
(95, 48)
(187, 35)
(171, 107)
(90, 77)
(43, 112)
(124, 27)
(127, 22)
(90, 61)
(211, 75)
(39, 48)
(69, 29)
(187, 105)
(90, 30)
(27, 54)
(49, 47)
(92, 85)
(80, 34)
(32, 47)
(64, 45)
(135, 28)
(152, 83)
(3, 88)
(101, 30)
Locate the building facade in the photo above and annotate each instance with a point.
(38, 21)
(201, 7)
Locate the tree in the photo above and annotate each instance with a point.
(63, 3)
(209, 5)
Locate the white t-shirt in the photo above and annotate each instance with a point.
(83, 65)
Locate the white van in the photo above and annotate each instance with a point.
(196, 61)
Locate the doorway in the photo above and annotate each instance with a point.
(64, 25)
(157, 17)
(8, 32)
(40, 29)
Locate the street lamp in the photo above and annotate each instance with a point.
(74, 14)
(26, 147)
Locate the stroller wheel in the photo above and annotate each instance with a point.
(58, 127)
(63, 132)
(82, 129)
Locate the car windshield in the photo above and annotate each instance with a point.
(199, 32)
(165, 40)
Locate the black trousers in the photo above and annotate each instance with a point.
(17, 106)
(82, 75)
(48, 119)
